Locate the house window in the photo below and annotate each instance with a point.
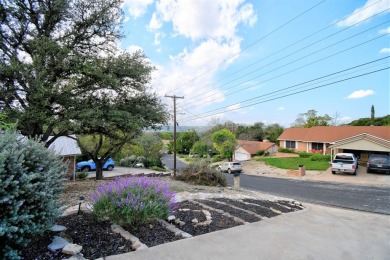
(317, 146)
(290, 144)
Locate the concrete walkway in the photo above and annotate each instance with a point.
(316, 233)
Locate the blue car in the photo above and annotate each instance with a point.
(90, 165)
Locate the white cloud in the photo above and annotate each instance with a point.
(385, 50)
(133, 48)
(233, 107)
(203, 19)
(370, 8)
(384, 31)
(345, 118)
(360, 94)
(281, 108)
(137, 8)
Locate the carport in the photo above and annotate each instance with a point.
(362, 145)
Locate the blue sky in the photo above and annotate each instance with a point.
(245, 61)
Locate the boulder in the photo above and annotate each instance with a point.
(58, 243)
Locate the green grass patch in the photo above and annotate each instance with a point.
(292, 163)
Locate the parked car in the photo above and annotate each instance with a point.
(378, 163)
(90, 165)
(344, 162)
(230, 167)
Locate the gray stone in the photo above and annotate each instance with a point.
(142, 247)
(171, 218)
(185, 235)
(78, 256)
(58, 243)
(136, 245)
(195, 221)
(72, 249)
(58, 228)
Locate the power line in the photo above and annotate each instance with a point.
(252, 44)
(303, 66)
(286, 56)
(292, 87)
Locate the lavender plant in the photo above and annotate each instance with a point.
(133, 201)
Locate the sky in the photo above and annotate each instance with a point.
(267, 61)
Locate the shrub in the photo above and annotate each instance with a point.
(320, 157)
(285, 150)
(82, 175)
(304, 154)
(133, 201)
(201, 173)
(31, 180)
(217, 158)
(128, 161)
(260, 153)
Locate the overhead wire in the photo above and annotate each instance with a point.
(250, 45)
(295, 93)
(312, 80)
(284, 57)
(301, 67)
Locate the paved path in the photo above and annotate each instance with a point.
(317, 233)
(359, 197)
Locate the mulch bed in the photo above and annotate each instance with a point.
(270, 204)
(219, 222)
(153, 234)
(259, 210)
(97, 239)
(232, 211)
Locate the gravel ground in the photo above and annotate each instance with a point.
(270, 204)
(259, 210)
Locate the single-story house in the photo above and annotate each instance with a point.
(68, 149)
(246, 149)
(360, 140)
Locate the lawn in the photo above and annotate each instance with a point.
(293, 163)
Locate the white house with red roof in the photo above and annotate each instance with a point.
(246, 149)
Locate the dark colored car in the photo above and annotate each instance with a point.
(378, 163)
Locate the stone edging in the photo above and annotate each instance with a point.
(135, 243)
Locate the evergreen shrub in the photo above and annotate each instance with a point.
(133, 201)
(285, 150)
(305, 154)
(31, 180)
(320, 157)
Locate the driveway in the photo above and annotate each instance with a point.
(362, 178)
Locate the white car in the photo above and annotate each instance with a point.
(230, 167)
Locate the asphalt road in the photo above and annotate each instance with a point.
(167, 159)
(365, 198)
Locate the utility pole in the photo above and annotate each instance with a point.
(174, 131)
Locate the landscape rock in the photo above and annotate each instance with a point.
(136, 245)
(142, 247)
(185, 235)
(58, 228)
(72, 249)
(195, 221)
(58, 243)
(171, 218)
(78, 256)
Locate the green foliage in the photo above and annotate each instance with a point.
(260, 153)
(292, 163)
(217, 158)
(200, 173)
(185, 141)
(254, 132)
(305, 154)
(272, 132)
(166, 135)
(377, 121)
(310, 118)
(82, 175)
(133, 201)
(31, 180)
(128, 161)
(285, 150)
(4, 124)
(158, 169)
(202, 148)
(224, 142)
(320, 157)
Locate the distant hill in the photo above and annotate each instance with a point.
(366, 121)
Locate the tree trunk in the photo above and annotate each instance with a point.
(99, 172)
